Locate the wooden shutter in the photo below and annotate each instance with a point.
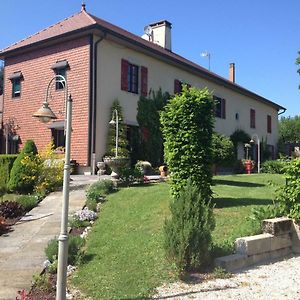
(177, 86)
(252, 118)
(144, 81)
(124, 75)
(223, 109)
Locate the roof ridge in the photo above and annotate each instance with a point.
(40, 31)
(89, 16)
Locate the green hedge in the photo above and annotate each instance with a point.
(6, 163)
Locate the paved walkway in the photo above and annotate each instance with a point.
(22, 250)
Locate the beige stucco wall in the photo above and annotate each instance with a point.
(161, 74)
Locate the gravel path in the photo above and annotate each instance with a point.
(274, 281)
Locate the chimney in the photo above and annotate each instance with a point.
(161, 34)
(232, 72)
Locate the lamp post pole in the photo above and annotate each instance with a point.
(258, 150)
(45, 114)
(116, 123)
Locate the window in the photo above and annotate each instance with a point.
(60, 68)
(269, 124)
(130, 78)
(178, 86)
(16, 78)
(16, 88)
(252, 118)
(220, 107)
(58, 136)
(59, 85)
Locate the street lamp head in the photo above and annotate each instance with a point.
(252, 141)
(45, 114)
(112, 122)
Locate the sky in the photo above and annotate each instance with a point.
(259, 36)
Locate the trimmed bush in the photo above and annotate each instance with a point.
(6, 164)
(274, 166)
(24, 172)
(187, 126)
(98, 190)
(188, 237)
(27, 201)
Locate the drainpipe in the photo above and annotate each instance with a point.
(94, 105)
(282, 112)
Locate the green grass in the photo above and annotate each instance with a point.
(125, 256)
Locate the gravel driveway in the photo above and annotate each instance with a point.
(274, 281)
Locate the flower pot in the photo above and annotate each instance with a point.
(115, 163)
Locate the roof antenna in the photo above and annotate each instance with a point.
(83, 6)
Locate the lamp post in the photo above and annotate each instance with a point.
(113, 122)
(45, 114)
(255, 136)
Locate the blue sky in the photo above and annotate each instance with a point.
(259, 36)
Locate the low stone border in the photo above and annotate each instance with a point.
(280, 237)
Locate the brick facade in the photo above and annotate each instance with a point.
(37, 73)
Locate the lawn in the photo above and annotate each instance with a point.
(125, 256)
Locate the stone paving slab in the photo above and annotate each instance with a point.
(22, 249)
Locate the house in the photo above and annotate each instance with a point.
(102, 62)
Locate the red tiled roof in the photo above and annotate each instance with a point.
(84, 20)
(75, 22)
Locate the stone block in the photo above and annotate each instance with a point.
(255, 244)
(231, 262)
(277, 226)
(296, 237)
(281, 242)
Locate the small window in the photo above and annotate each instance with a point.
(220, 107)
(252, 118)
(58, 136)
(59, 84)
(269, 124)
(16, 87)
(129, 77)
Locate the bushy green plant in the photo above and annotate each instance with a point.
(128, 176)
(98, 190)
(91, 204)
(188, 237)
(75, 249)
(24, 172)
(74, 222)
(187, 126)
(274, 166)
(239, 136)
(6, 163)
(223, 150)
(42, 282)
(288, 196)
(28, 201)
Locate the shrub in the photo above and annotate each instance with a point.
(188, 237)
(274, 166)
(27, 201)
(128, 176)
(6, 163)
(223, 150)
(99, 189)
(91, 204)
(288, 196)
(75, 252)
(187, 126)
(11, 209)
(24, 172)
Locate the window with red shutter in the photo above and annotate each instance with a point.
(144, 81)
(177, 86)
(269, 124)
(124, 75)
(252, 118)
(220, 107)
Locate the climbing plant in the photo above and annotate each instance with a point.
(239, 136)
(149, 122)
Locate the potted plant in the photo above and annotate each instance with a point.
(248, 163)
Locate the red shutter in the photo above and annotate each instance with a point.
(252, 118)
(144, 81)
(124, 75)
(177, 86)
(223, 109)
(269, 124)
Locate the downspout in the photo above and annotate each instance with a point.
(92, 141)
(282, 112)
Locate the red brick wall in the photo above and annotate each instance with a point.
(36, 69)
